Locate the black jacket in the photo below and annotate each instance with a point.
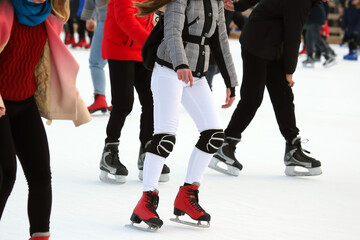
(273, 29)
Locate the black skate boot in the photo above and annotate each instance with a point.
(226, 155)
(110, 164)
(164, 177)
(187, 201)
(309, 62)
(295, 157)
(145, 210)
(330, 60)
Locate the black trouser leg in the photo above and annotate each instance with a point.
(251, 94)
(142, 86)
(282, 99)
(32, 149)
(7, 162)
(124, 76)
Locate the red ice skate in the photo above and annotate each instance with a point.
(145, 210)
(82, 43)
(99, 104)
(187, 201)
(38, 236)
(69, 39)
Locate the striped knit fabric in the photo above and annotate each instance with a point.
(18, 61)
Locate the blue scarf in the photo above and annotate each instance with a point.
(30, 13)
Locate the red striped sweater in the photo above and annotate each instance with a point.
(18, 61)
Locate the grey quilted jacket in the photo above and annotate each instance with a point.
(206, 26)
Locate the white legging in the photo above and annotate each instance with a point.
(169, 93)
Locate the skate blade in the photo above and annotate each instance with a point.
(291, 171)
(118, 179)
(103, 110)
(308, 65)
(163, 177)
(198, 224)
(229, 170)
(330, 64)
(148, 229)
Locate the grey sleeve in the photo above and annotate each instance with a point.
(88, 10)
(173, 27)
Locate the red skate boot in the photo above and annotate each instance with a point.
(88, 46)
(303, 51)
(82, 43)
(69, 39)
(40, 236)
(145, 210)
(99, 104)
(187, 201)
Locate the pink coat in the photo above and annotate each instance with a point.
(56, 96)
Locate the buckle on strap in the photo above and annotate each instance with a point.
(202, 40)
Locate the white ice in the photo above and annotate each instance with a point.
(261, 203)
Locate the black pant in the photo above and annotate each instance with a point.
(124, 76)
(258, 73)
(314, 39)
(23, 135)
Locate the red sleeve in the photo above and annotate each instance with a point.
(129, 23)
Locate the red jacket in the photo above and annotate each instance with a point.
(124, 33)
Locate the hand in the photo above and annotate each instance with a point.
(2, 111)
(229, 5)
(90, 25)
(185, 75)
(229, 100)
(289, 79)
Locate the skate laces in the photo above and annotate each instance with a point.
(193, 197)
(152, 202)
(114, 154)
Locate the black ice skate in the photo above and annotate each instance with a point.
(110, 165)
(309, 62)
(226, 156)
(165, 173)
(295, 157)
(330, 60)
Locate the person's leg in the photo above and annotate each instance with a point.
(142, 86)
(167, 92)
(96, 62)
(282, 99)
(122, 75)
(26, 126)
(200, 104)
(251, 94)
(7, 162)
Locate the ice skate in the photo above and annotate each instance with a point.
(165, 173)
(309, 62)
(296, 158)
(352, 56)
(226, 156)
(187, 201)
(330, 60)
(112, 170)
(40, 236)
(81, 43)
(69, 39)
(145, 211)
(99, 104)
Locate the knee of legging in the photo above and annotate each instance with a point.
(210, 140)
(40, 178)
(162, 144)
